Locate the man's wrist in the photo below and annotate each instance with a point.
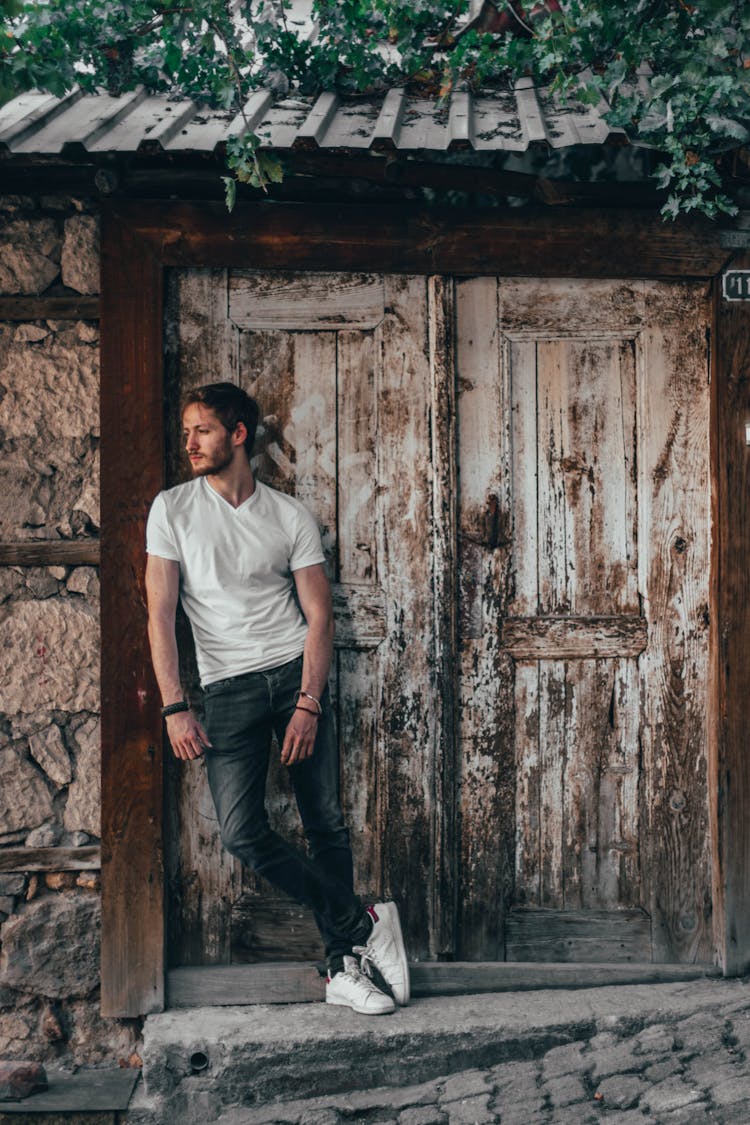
(315, 714)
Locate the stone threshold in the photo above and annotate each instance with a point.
(250, 1056)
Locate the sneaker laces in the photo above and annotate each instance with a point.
(367, 960)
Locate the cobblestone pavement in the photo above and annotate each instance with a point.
(682, 1072)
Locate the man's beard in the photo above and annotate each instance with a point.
(222, 459)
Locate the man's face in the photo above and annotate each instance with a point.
(207, 443)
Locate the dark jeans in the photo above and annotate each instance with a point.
(241, 714)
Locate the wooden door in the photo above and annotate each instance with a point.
(344, 368)
(583, 415)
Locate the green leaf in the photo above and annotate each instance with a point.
(230, 191)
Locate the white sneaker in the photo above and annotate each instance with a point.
(352, 989)
(385, 950)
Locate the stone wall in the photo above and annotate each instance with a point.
(49, 640)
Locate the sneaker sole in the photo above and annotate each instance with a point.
(389, 910)
(362, 1011)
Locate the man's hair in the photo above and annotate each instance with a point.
(231, 405)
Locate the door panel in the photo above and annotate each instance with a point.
(341, 366)
(583, 415)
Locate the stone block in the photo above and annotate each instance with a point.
(50, 658)
(470, 1111)
(48, 750)
(671, 1094)
(563, 1060)
(29, 255)
(19, 1080)
(12, 884)
(658, 1071)
(83, 809)
(732, 1089)
(46, 836)
(26, 799)
(422, 1115)
(464, 1085)
(621, 1091)
(84, 579)
(565, 1090)
(694, 1033)
(654, 1040)
(80, 254)
(616, 1059)
(52, 948)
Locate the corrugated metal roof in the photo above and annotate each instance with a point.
(43, 125)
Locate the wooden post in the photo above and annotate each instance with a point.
(132, 472)
(730, 783)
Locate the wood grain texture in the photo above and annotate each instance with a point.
(569, 638)
(50, 859)
(49, 308)
(203, 878)
(305, 302)
(301, 983)
(674, 537)
(408, 238)
(132, 472)
(56, 552)
(267, 928)
(730, 759)
(487, 766)
(588, 936)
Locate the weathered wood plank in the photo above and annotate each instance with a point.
(359, 611)
(674, 537)
(730, 761)
(132, 472)
(487, 768)
(540, 306)
(281, 983)
(410, 729)
(53, 552)
(289, 982)
(202, 877)
(567, 637)
(50, 859)
(445, 587)
(408, 238)
(49, 308)
(578, 935)
(266, 928)
(305, 302)
(359, 722)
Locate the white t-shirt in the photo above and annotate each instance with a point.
(236, 568)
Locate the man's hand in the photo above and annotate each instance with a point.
(299, 740)
(186, 735)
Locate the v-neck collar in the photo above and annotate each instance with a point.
(223, 500)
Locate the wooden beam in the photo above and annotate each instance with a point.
(132, 473)
(52, 552)
(731, 761)
(542, 242)
(49, 859)
(49, 308)
(296, 982)
(574, 638)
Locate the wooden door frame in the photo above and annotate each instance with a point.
(142, 239)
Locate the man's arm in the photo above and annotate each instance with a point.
(314, 593)
(162, 590)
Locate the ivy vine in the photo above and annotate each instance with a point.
(675, 75)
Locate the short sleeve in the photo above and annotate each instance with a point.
(159, 539)
(307, 549)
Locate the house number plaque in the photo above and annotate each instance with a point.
(735, 285)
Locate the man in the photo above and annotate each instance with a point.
(235, 552)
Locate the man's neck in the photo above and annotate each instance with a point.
(236, 483)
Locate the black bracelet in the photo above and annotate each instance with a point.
(174, 708)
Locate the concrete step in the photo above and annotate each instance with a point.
(198, 1063)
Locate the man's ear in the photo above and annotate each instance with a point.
(240, 434)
